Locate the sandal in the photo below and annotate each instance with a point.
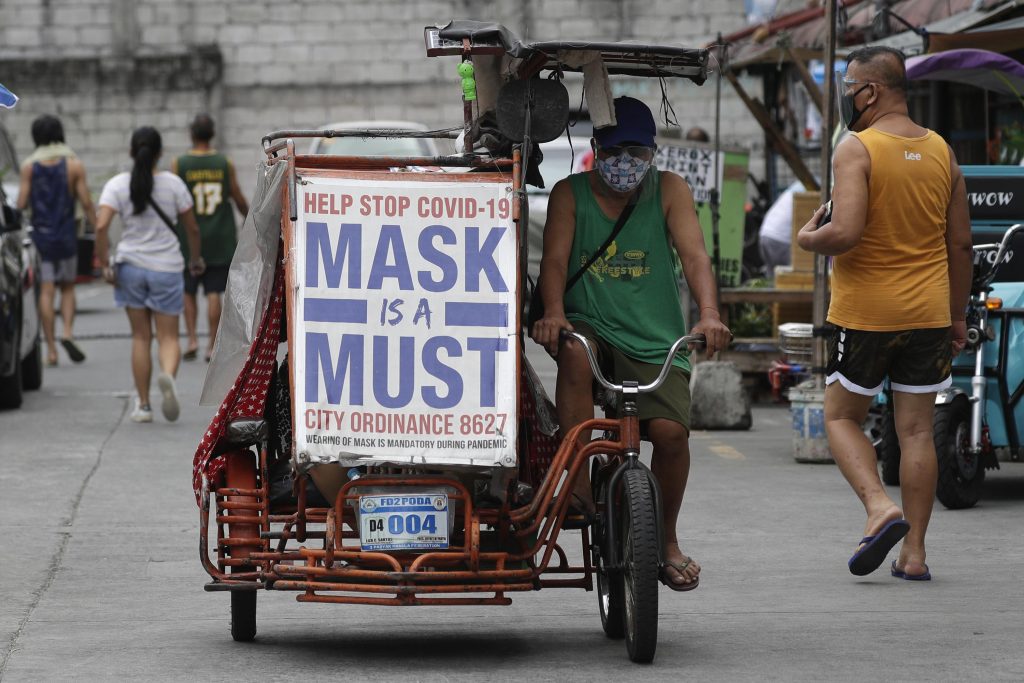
(681, 568)
(74, 353)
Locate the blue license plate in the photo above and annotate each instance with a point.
(413, 521)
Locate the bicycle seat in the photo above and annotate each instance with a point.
(243, 432)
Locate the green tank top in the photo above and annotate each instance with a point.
(206, 176)
(630, 296)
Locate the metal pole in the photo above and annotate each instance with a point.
(716, 191)
(807, 401)
(828, 122)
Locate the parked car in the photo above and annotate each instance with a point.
(21, 357)
(386, 147)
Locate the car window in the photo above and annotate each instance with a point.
(389, 147)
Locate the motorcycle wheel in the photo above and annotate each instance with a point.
(961, 473)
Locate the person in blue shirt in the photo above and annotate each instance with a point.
(52, 179)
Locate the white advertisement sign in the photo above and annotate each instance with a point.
(696, 165)
(404, 333)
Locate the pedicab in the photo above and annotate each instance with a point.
(382, 439)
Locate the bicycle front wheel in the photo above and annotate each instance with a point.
(640, 562)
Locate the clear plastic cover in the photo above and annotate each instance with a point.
(249, 281)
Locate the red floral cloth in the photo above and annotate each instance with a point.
(248, 395)
(540, 448)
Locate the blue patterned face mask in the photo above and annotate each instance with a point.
(623, 172)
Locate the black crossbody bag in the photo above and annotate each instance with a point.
(163, 216)
(536, 311)
(170, 225)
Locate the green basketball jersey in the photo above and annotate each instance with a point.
(206, 175)
(630, 296)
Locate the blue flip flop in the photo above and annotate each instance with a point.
(926, 576)
(871, 556)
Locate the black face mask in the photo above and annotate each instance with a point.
(849, 110)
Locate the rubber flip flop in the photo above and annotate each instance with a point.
(871, 556)
(926, 576)
(678, 587)
(74, 353)
(170, 407)
(190, 354)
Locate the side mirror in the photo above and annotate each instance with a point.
(546, 102)
(11, 219)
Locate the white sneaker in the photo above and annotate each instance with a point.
(169, 407)
(141, 413)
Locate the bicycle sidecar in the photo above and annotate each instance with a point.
(399, 294)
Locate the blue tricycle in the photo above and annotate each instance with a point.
(979, 421)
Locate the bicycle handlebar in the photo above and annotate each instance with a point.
(696, 339)
(1000, 249)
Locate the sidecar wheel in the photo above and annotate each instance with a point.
(243, 616)
(611, 600)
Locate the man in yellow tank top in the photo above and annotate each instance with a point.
(900, 238)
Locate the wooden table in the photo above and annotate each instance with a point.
(764, 295)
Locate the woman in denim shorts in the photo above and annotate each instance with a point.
(146, 268)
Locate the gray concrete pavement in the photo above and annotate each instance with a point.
(100, 580)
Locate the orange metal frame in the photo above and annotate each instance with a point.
(528, 552)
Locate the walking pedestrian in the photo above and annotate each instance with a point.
(697, 134)
(146, 268)
(52, 179)
(900, 237)
(210, 177)
(632, 313)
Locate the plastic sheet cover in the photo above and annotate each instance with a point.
(249, 283)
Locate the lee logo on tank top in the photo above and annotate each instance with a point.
(913, 156)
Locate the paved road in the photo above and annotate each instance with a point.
(99, 578)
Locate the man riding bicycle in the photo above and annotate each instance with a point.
(627, 301)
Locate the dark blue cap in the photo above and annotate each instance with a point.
(634, 123)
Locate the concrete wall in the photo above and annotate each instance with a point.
(107, 66)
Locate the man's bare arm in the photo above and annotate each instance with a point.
(852, 168)
(81, 189)
(959, 252)
(236, 192)
(688, 239)
(559, 230)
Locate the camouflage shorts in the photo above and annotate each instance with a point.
(915, 361)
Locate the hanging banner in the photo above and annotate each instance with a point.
(404, 347)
